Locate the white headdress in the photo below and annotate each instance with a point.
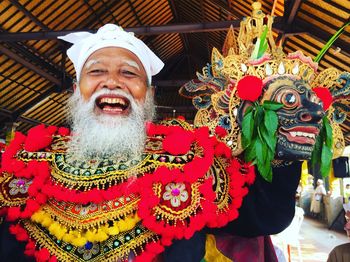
(109, 35)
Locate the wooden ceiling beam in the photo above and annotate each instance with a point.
(29, 14)
(32, 103)
(323, 36)
(141, 30)
(29, 65)
(183, 37)
(290, 12)
(28, 120)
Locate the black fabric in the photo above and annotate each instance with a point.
(269, 207)
(341, 167)
(11, 250)
(192, 250)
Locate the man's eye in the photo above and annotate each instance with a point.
(127, 72)
(97, 71)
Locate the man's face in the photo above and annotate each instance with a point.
(110, 105)
(113, 68)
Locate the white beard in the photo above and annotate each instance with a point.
(101, 136)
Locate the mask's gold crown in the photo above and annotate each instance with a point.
(255, 52)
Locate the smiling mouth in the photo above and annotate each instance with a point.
(300, 135)
(116, 105)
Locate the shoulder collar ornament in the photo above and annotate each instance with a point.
(173, 190)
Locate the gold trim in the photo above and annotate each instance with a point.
(112, 255)
(170, 214)
(5, 199)
(82, 221)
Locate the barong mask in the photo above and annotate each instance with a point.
(252, 76)
(299, 120)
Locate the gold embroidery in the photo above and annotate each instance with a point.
(108, 251)
(221, 184)
(79, 237)
(6, 199)
(69, 214)
(170, 214)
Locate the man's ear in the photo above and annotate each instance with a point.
(74, 87)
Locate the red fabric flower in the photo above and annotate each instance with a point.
(42, 255)
(220, 131)
(325, 95)
(249, 88)
(39, 137)
(63, 131)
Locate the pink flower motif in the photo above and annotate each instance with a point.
(176, 193)
(19, 185)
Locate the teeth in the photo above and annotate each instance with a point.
(111, 109)
(283, 142)
(114, 100)
(294, 134)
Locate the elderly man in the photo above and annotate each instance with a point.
(113, 92)
(109, 190)
(119, 188)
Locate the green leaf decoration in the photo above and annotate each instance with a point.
(328, 133)
(271, 121)
(270, 105)
(249, 109)
(250, 152)
(259, 137)
(259, 116)
(330, 42)
(259, 151)
(261, 45)
(316, 153)
(255, 52)
(326, 165)
(247, 127)
(266, 137)
(322, 153)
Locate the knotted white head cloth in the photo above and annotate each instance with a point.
(109, 35)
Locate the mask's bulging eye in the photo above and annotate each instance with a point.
(290, 99)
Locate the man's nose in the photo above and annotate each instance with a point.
(113, 82)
